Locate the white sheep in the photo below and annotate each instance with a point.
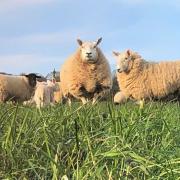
(141, 80)
(86, 74)
(17, 88)
(44, 94)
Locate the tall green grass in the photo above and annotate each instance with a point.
(90, 142)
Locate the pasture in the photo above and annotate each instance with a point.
(90, 142)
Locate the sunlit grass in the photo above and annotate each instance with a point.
(91, 142)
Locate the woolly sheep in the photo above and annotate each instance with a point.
(141, 80)
(58, 97)
(86, 75)
(17, 88)
(44, 94)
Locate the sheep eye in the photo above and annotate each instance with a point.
(126, 58)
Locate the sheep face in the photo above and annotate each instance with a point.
(123, 60)
(32, 79)
(89, 51)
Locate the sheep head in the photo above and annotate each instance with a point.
(89, 51)
(32, 79)
(124, 59)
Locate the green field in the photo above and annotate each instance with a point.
(91, 142)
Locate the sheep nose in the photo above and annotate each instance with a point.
(88, 53)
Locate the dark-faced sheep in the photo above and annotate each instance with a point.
(17, 88)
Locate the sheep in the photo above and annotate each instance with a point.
(58, 97)
(44, 94)
(17, 88)
(142, 80)
(86, 74)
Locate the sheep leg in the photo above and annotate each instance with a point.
(3, 96)
(52, 100)
(69, 101)
(97, 96)
(140, 103)
(95, 100)
(84, 100)
(100, 92)
(29, 102)
(39, 103)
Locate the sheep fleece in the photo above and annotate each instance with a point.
(58, 97)
(14, 87)
(42, 96)
(75, 73)
(146, 80)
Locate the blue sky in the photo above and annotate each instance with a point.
(38, 35)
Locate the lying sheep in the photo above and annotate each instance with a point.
(86, 74)
(141, 80)
(17, 88)
(44, 94)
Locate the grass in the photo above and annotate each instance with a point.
(91, 142)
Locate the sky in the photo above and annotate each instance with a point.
(39, 35)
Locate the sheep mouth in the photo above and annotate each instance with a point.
(89, 58)
(90, 61)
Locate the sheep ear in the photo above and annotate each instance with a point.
(79, 42)
(128, 52)
(115, 53)
(32, 74)
(98, 41)
(136, 55)
(38, 76)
